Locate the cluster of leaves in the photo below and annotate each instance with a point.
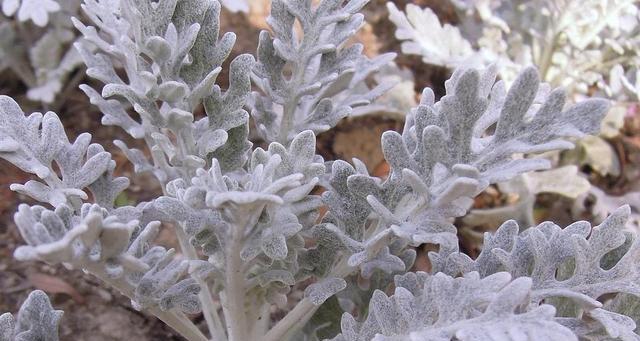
(248, 220)
(539, 284)
(112, 243)
(36, 45)
(245, 212)
(575, 44)
(36, 320)
(582, 46)
(327, 78)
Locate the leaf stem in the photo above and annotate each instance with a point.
(176, 320)
(301, 313)
(206, 300)
(291, 320)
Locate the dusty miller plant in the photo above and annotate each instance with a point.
(252, 240)
(584, 46)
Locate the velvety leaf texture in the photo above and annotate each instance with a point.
(525, 269)
(35, 142)
(325, 70)
(273, 230)
(36, 320)
(171, 55)
(439, 307)
(443, 159)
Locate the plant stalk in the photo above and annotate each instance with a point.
(234, 291)
(176, 320)
(291, 320)
(206, 300)
(301, 313)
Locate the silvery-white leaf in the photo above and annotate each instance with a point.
(579, 263)
(421, 33)
(35, 142)
(177, 57)
(36, 320)
(327, 79)
(440, 307)
(320, 292)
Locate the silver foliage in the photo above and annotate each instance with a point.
(36, 320)
(248, 219)
(439, 307)
(35, 142)
(520, 273)
(268, 205)
(171, 54)
(112, 242)
(312, 79)
(444, 158)
(111, 245)
(579, 262)
(575, 44)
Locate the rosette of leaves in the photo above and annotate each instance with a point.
(251, 224)
(309, 79)
(220, 201)
(41, 56)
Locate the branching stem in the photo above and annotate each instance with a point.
(176, 320)
(290, 321)
(301, 313)
(206, 300)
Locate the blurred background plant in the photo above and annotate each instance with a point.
(36, 46)
(36, 39)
